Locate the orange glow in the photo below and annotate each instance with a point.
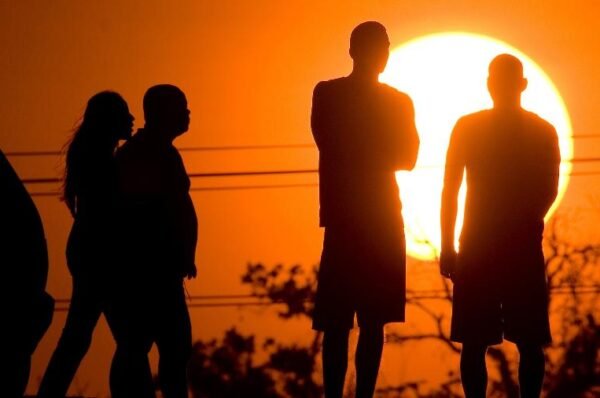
(445, 74)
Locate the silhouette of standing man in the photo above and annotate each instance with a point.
(160, 227)
(365, 131)
(512, 160)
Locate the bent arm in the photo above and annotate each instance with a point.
(408, 147)
(549, 178)
(319, 117)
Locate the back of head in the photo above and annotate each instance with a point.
(506, 81)
(165, 108)
(369, 45)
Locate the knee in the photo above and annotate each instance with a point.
(372, 332)
(335, 334)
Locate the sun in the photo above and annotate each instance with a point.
(445, 74)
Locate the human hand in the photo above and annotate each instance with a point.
(448, 263)
(191, 271)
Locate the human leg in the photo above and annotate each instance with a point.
(368, 358)
(526, 320)
(335, 361)
(334, 308)
(174, 342)
(130, 374)
(128, 319)
(473, 370)
(531, 369)
(75, 340)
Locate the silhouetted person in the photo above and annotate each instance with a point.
(160, 224)
(90, 193)
(511, 158)
(27, 308)
(365, 131)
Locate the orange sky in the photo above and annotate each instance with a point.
(248, 69)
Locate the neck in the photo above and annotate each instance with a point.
(159, 134)
(508, 106)
(364, 74)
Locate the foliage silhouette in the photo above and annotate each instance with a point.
(228, 366)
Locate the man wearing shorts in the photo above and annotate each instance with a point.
(512, 159)
(365, 131)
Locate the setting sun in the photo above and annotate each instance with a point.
(445, 74)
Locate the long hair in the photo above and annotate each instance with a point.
(94, 134)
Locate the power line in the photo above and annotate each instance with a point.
(226, 148)
(424, 294)
(273, 186)
(246, 147)
(250, 187)
(208, 189)
(252, 173)
(216, 148)
(259, 303)
(50, 180)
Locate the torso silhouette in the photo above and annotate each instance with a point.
(512, 161)
(91, 247)
(364, 131)
(161, 220)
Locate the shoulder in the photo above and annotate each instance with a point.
(538, 124)
(133, 150)
(394, 93)
(472, 122)
(328, 86)
(476, 117)
(397, 98)
(475, 120)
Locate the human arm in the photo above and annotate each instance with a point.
(453, 176)
(407, 145)
(320, 117)
(550, 172)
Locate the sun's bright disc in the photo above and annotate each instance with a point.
(445, 74)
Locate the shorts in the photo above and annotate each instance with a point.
(501, 295)
(362, 272)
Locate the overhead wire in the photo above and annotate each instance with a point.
(250, 300)
(214, 148)
(255, 173)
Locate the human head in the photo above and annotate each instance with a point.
(165, 109)
(106, 118)
(505, 81)
(370, 47)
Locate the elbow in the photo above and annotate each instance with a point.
(412, 161)
(410, 165)
(409, 162)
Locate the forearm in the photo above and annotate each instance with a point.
(448, 217)
(408, 158)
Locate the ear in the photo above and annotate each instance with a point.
(524, 84)
(351, 52)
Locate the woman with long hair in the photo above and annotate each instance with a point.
(90, 193)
